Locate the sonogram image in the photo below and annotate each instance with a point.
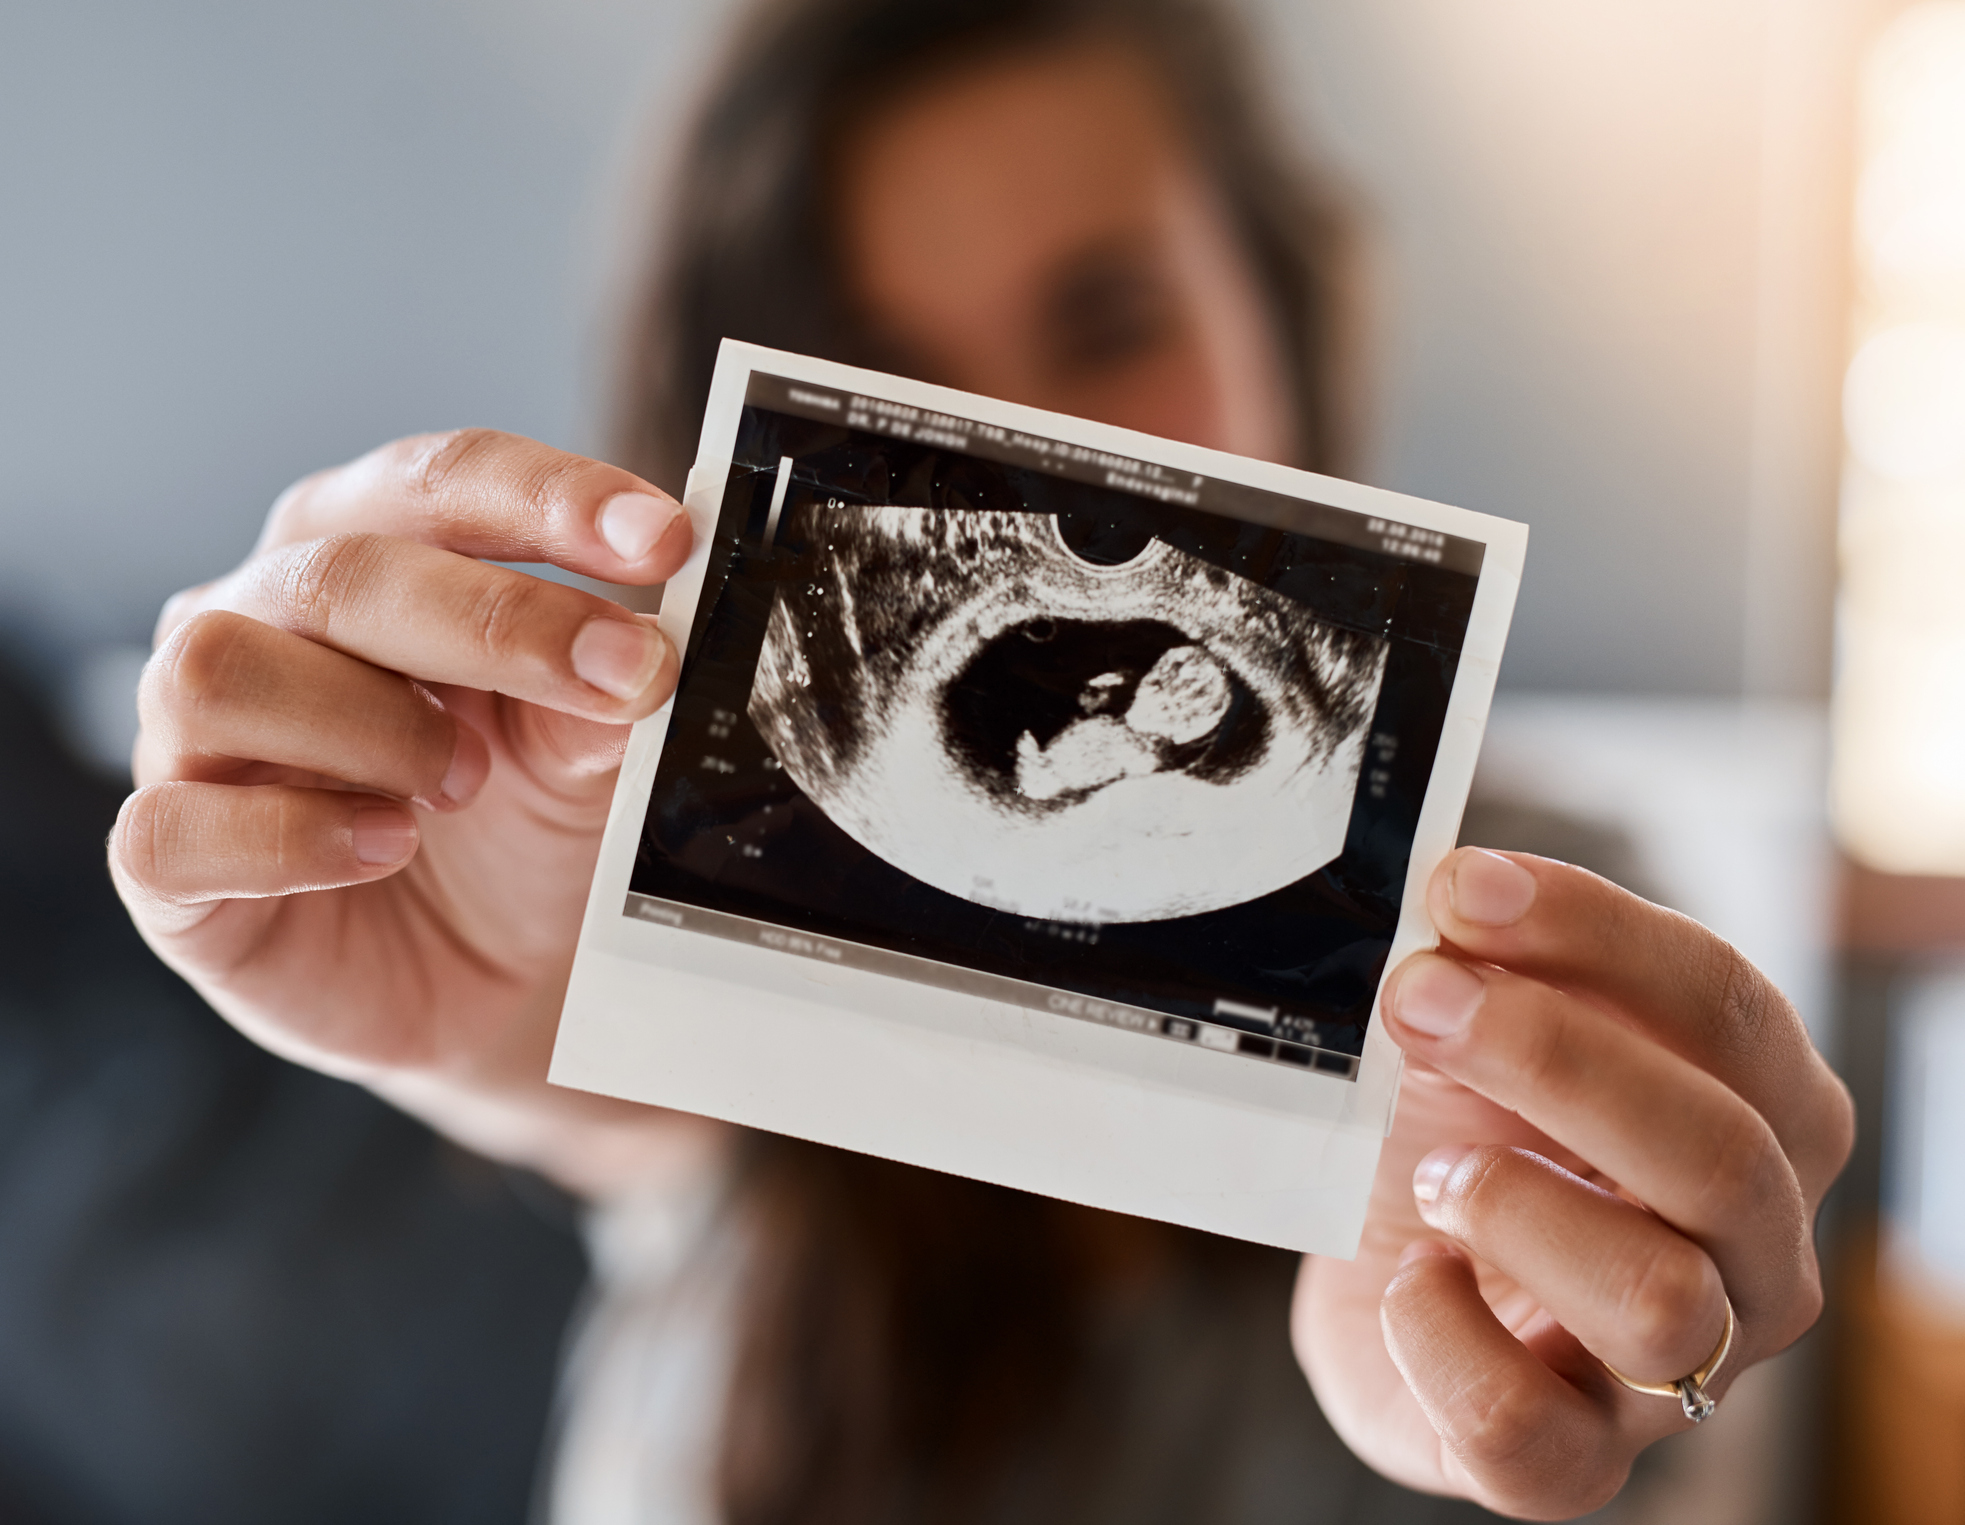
(1062, 729)
(1046, 735)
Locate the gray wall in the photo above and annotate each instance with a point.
(243, 241)
(1614, 301)
(246, 240)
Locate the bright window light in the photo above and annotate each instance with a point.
(1899, 779)
(1904, 403)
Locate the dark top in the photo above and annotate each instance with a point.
(232, 1290)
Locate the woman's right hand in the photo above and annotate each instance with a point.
(374, 770)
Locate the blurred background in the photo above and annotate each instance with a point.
(1612, 282)
(1623, 258)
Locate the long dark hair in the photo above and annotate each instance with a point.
(747, 250)
(907, 1336)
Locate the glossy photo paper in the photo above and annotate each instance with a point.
(1040, 801)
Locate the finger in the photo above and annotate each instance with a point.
(225, 689)
(1692, 990)
(179, 848)
(562, 752)
(1639, 1296)
(482, 493)
(1520, 1438)
(1668, 1132)
(444, 618)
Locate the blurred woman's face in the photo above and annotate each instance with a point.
(1035, 227)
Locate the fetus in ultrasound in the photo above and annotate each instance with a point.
(1127, 726)
(1049, 736)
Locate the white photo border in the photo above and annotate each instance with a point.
(977, 1087)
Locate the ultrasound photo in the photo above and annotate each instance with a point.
(1053, 727)
(1055, 738)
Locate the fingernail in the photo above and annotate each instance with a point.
(470, 765)
(1436, 996)
(383, 834)
(618, 657)
(1490, 890)
(631, 523)
(1432, 1172)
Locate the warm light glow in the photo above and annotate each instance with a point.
(1900, 680)
(1911, 218)
(1904, 402)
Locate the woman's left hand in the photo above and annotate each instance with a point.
(1611, 1123)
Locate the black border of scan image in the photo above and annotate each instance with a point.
(1040, 801)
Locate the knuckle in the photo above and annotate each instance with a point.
(422, 741)
(1745, 1007)
(1470, 1188)
(1587, 1485)
(174, 612)
(536, 483)
(1494, 1425)
(1808, 1303)
(1744, 1162)
(1800, 1310)
(201, 655)
(1835, 1139)
(543, 482)
(193, 670)
(1661, 1301)
(291, 505)
(1787, 1311)
(1502, 1434)
(1545, 1059)
(326, 576)
(498, 612)
(438, 464)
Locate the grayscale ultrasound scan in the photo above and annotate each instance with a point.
(967, 697)
(1008, 715)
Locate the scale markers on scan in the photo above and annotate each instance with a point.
(1040, 801)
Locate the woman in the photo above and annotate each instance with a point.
(374, 772)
